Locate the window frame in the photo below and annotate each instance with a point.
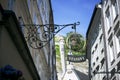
(108, 18)
(114, 6)
(111, 47)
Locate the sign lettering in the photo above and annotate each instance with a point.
(75, 58)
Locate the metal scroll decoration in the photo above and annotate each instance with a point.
(39, 36)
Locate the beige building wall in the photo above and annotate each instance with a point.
(36, 12)
(13, 50)
(10, 55)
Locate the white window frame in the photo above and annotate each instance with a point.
(111, 51)
(117, 41)
(108, 18)
(114, 9)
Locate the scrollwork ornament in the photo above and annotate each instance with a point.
(37, 39)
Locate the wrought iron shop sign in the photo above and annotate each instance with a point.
(76, 58)
(39, 36)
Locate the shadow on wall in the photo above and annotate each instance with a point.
(81, 75)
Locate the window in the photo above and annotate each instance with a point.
(94, 64)
(117, 41)
(97, 68)
(97, 58)
(93, 52)
(102, 62)
(102, 51)
(111, 48)
(118, 66)
(108, 19)
(101, 36)
(114, 78)
(104, 78)
(111, 51)
(114, 9)
(96, 46)
(94, 73)
(113, 73)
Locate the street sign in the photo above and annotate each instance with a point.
(76, 58)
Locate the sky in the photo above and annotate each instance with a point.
(71, 11)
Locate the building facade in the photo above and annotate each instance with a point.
(111, 18)
(95, 46)
(103, 42)
(36, 12)
(15, 59)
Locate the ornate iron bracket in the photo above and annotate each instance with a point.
(39, 36)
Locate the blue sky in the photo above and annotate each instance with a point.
(70, 11)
